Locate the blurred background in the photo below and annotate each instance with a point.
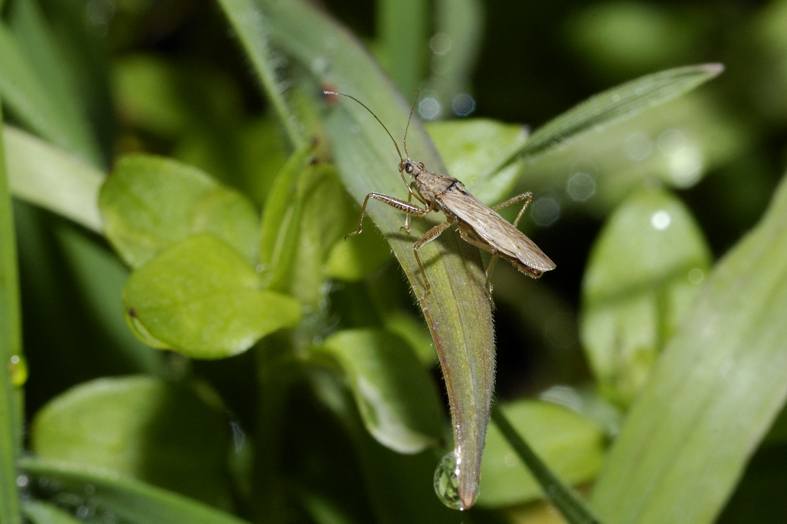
(177, 84)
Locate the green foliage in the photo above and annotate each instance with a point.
(291, 377)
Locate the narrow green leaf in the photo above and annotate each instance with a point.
(395, 395)
(645, 270)
(455, 45)
(457, 309)
(251, 28)
(35, 89)
(474, 149)
(44, 513)
(713, 394)
(127, 499)
(572, 446)
(621, 102)
(562, 496)
(142, 428)
(403, 40)
(150, 203)
(11, 417)
(47, 176)
(201, 298)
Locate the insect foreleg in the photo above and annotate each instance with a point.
(428, 237)
(401, 205)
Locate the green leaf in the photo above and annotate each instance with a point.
(644, 272)
(570, 444)
(562, 496)
(127, 500)
(251, 28)
(403, 27)
(457, 309)
(38, 90)
(150, 203)
(201, 298)
(474, 149)
(712, 396)
(621, 102)
(47, 176)
(394, 393)
(140, 428)
(455, 45)
(11, 412)
(44, 513)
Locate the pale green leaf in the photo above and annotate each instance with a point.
(645, 269)
(395, 395)
(201, 298)
(52, 178)
(570, 444)
(150, 203)
(713, 394)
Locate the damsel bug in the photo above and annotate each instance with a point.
(478, 225)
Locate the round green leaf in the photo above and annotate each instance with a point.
(201, 298)
(396, 397)
(142, 428)
(570, 444)
(149, 203)
(645, 269)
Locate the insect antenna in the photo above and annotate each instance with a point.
(376, 118)
(406, 129)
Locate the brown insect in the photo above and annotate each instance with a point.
(478, 224)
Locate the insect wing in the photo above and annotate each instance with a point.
(495, 230)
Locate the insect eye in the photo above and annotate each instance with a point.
(409, 167)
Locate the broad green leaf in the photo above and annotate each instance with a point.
(38, 91)
(457, 309)
(618, 103)
(713, 394)
(140, 428)
(201, 298)
(644, 272)
(394, 393)
(126, 499)
(11, 412)
(150, 203)
(570, 444)
(44, 513)
(570, 505)
(52, 178)
(473, 150)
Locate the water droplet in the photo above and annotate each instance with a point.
(546, 211)
(696, 275)
(446, 482)
(17, 370)
(440, 43)
(638, 147)
(581, 186)
(660, 220)
(429, 108)
(463, 104)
